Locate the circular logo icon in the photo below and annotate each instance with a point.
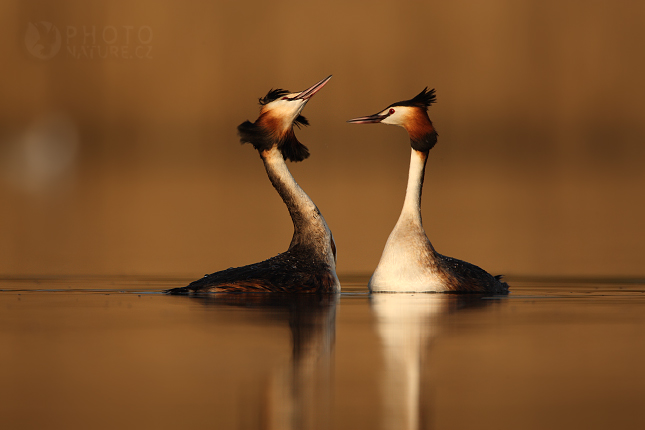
(42, 40)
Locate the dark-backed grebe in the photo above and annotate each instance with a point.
(309, 265)
(409, 262)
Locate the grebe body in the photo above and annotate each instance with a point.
(309, 265)
(409, 262)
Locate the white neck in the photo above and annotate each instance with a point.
(407, 260)
(412, 203)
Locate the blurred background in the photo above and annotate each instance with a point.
(119, 153)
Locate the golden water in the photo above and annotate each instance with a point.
(114, 353)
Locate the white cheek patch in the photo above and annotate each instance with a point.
(401, 115)
(284, 112)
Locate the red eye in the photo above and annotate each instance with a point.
(285, 98)
(391, 111)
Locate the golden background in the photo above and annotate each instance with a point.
(132, 166)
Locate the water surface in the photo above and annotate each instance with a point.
(114, 353)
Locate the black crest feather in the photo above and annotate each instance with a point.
(255, 135)
(291, 148)
(273, 95)
(422, 100)
(301, 121)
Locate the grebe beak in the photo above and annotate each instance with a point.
(372, 119)
(309, 92)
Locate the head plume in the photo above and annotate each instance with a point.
(422, 100)
(263, 137)
(280, 111)
(273, 95)
(423, 136)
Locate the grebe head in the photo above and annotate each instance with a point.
(279, 112)
(410, 114)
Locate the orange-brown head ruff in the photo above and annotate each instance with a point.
(410, 114)
(279, 112)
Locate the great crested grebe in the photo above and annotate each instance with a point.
(309, 265)
(409, 262)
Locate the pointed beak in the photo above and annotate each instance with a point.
(309, 92)
(372, 119)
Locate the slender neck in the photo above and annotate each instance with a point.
(301, 208)
(412, 203)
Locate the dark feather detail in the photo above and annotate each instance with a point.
(291, 148)
(255, 135)
(425, 143)
(273, 95)
(422, 100)
(297, 270)
(464, 277)
(262, 140)
(300, 121)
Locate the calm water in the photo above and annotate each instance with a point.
(114, 353)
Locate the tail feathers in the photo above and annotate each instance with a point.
(504, 285)
(190, 288)
(180, 290)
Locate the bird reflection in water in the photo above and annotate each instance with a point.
(406, 324)
(298, 393)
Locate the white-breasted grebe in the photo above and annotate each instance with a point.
(409, 262)
(309, 265)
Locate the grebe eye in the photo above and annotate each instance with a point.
(391, 111)
(285, 98)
